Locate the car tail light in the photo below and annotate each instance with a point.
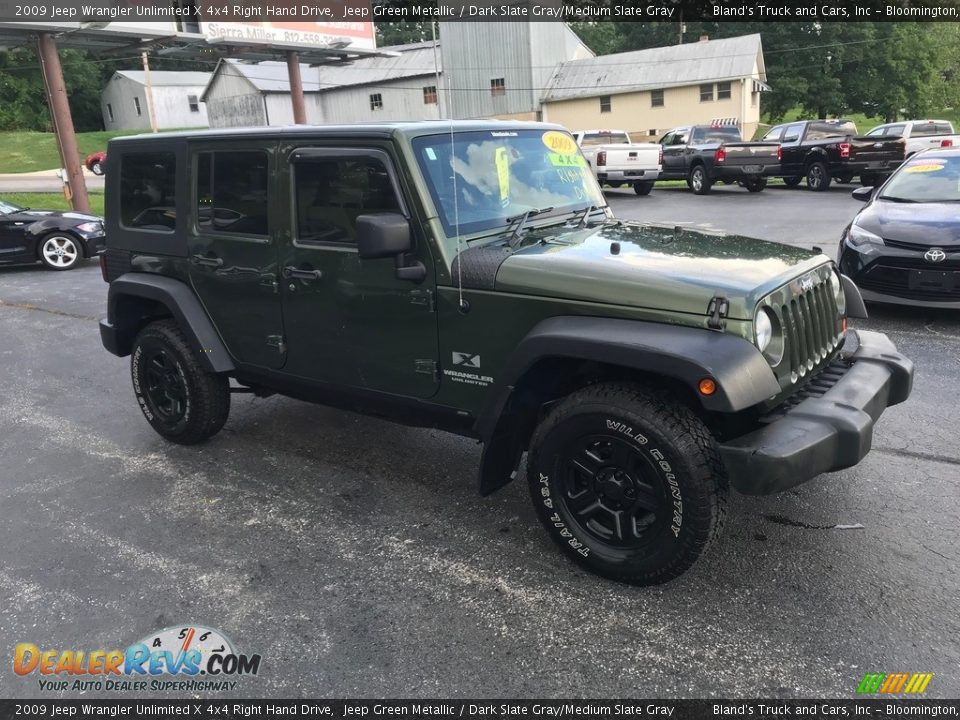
(602, 157)
(779, 153)
(660, 157)
(720, 155)
(844, 149)
(103, 267)
(946, 142)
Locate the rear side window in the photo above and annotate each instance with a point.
(721, 133)
(148, 191)
(332, 192)
(232, 192)
(774, 134)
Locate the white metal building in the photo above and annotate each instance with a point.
(403, 87)
(176, 97)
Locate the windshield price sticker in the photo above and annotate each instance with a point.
(559, 142)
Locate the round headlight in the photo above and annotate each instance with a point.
(838, 293)
(763, 329)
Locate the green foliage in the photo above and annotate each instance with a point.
(53, 201)
(401, 33)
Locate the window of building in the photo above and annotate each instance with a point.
(110, 112)
(194, 103)
(331, 193)
(376, 101)
(605, 103)
(136, 104)
(232, 192)
(652, 132)
(430, 95)
(148, 191)
(498, 86)
(706, 92)
(656, 98)
(723, 91)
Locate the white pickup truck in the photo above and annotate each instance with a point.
(920, 134)
(616, 161)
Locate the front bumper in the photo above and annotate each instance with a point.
(825, 433)
(96, 244)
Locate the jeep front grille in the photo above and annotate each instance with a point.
(811, 329)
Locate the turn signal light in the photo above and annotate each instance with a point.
(707, 386)
(720, 155)
(602, 158)
(946, 142)
(844, 149)
(779, 153)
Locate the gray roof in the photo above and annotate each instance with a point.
(167, 78)
(413, 60)
(686, 64)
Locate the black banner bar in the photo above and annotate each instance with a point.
(895, 708)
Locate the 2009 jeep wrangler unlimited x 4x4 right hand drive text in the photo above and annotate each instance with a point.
(468, 276)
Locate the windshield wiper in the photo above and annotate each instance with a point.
(521, 220)
(587, 211)
(894, 198)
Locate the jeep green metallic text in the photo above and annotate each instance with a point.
(469, 276)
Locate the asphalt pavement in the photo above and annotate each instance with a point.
(355, 556)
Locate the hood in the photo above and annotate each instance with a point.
(654, 266)
(921, 223)
(34, 214)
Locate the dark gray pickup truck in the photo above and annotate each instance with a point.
(706, 154)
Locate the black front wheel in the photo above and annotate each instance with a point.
(181, 400)
(628, 482)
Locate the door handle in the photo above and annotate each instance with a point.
(293, 272)
(205, 261)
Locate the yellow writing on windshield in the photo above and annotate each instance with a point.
(558, 160)
(559, 142)
(923, 168)
(503, 174)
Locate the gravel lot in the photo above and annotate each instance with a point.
(355, 556)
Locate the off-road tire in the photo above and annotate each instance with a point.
(756, 184)
(643, 187)
(792, 181)
(667, 447)
(162, 362)
(699, 181)
(818, 179)
(97, 167)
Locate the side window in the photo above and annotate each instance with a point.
(877, 132)
(148, 191)
(792, 133)
(232, 192)
(330, 193)
(774, 134)
(667, 139)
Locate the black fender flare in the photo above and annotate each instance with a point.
(184, 306)
(685, 354)
(816, 154)
(856, 308)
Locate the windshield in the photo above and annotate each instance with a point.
(500, 174)
(8, 207)
(924, 180)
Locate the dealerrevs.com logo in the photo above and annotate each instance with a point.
(182, 658)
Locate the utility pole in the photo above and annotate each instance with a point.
(151, 106)
(296, 88)
(62, 120)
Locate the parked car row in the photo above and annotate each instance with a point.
(818, 152)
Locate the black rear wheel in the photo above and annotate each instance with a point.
(643, 187)
(818, 179)
(699, 181)
(181, 401)
(792, 181)
(627, 482)
(755, 184)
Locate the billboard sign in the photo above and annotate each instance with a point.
(357, 35)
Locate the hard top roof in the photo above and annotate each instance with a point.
(410, 128)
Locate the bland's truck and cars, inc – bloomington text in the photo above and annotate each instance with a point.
(468, 276)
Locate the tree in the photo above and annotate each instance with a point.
(402, 33)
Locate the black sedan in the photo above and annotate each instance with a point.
(58, 239)
(903, 247)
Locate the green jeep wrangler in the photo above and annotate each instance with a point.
(468, 276)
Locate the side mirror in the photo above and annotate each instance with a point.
(383, 235)
(862, 194)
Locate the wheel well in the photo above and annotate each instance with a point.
(133, 313)
(552, 379)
